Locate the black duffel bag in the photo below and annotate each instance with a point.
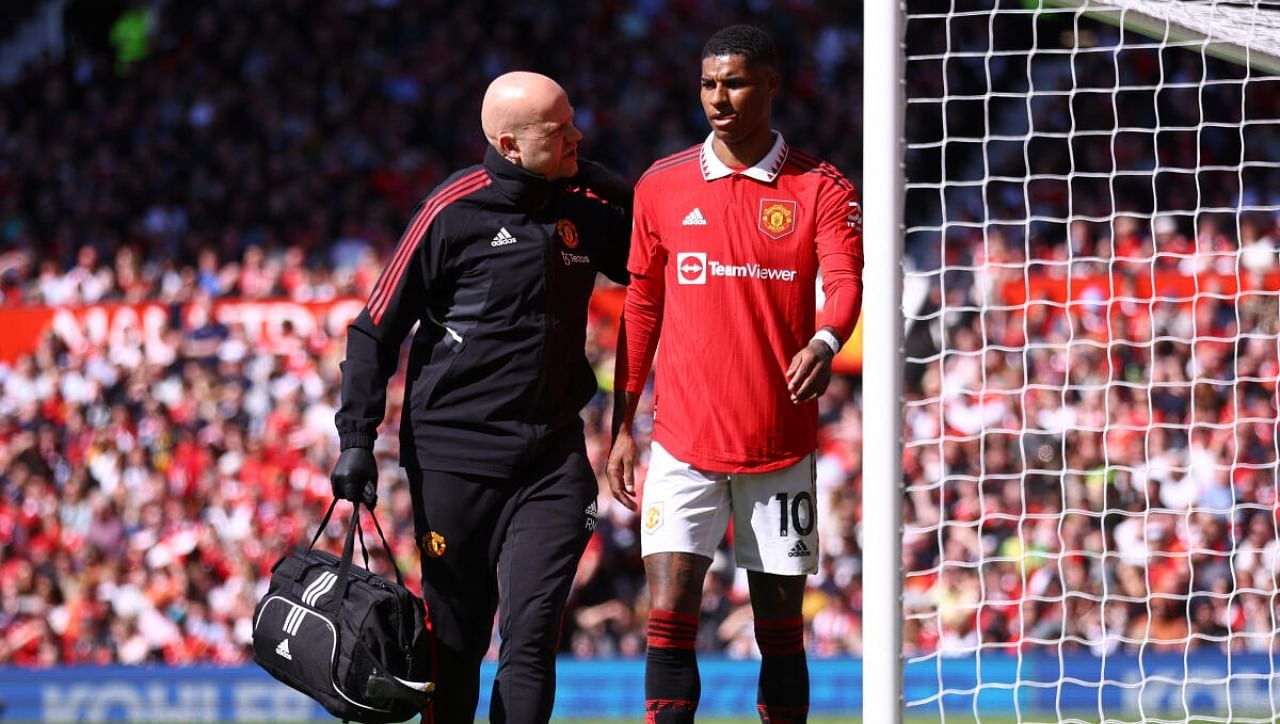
(350, 639)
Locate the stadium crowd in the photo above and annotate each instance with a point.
(273, 150)
(1091, 417)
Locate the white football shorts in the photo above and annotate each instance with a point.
(686, 510)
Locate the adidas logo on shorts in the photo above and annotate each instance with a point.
(799, 550)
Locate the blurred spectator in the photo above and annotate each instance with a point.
(250, 150)
(1090, 420)
(1093, 474)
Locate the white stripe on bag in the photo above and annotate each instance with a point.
(311, 587)
(294, 618)
(322, 585)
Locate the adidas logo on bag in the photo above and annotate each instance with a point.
(502, 238)
(799, 550)
(694, 218)
(283, 650)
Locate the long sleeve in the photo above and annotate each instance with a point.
(374, 337)
(609, 227)
(609, 216)
(642, 310)
(613, 251)
(839, 242)
(365, 371)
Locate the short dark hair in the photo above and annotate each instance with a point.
(746, 40)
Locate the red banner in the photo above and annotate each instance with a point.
(1168, 286)
(100, 325)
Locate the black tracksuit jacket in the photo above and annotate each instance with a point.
(498, 265)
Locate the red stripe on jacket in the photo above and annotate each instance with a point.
(380, 299)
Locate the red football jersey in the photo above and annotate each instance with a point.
(723, 267)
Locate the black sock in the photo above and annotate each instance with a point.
(671, 682)
(783, 696)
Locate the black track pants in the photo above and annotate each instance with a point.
(521, 537)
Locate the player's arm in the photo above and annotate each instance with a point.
(636, 345)
(373, 353)
(602, 182)
(839, 247)
(624, 455)
(637, 342)
(610, 220)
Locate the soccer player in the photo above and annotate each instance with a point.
(497, 265)
(728, 239)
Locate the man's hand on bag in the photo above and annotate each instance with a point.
(355, 477)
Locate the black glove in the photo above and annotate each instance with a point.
(355, 477)
(603, 183)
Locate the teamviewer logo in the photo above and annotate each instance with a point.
(691, 267)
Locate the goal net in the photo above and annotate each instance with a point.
(1092, 217)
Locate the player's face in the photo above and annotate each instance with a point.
(549, 147)
(737, 97)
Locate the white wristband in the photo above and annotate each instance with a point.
(828, 339)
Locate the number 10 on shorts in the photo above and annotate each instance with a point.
(797, 511)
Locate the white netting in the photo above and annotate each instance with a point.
(1091, 383)
(1251, 27)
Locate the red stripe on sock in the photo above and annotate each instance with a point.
(674, 617)
(780, 637)
(782, 714)
(671, 630)
(666, 628)
(666, 642)
(653, 706)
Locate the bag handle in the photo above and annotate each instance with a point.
(324, 523)
(348, 546)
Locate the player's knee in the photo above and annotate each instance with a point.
(675, 581)
(774, 596)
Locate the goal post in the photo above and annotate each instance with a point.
(882, 195)
(1071, 368)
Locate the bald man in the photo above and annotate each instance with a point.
(496, 268)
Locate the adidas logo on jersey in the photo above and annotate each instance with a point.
(694, 218)
(283, 650)
(799, 550)
(502, 238)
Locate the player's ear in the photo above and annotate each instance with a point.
(773, 81)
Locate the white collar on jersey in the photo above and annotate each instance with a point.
(766, 169)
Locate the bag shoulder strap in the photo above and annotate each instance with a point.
(324, 522)
(348, 546)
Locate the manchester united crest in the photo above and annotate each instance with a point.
(432, 543)
(568, 233)
(653, 517)
(777, 217)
